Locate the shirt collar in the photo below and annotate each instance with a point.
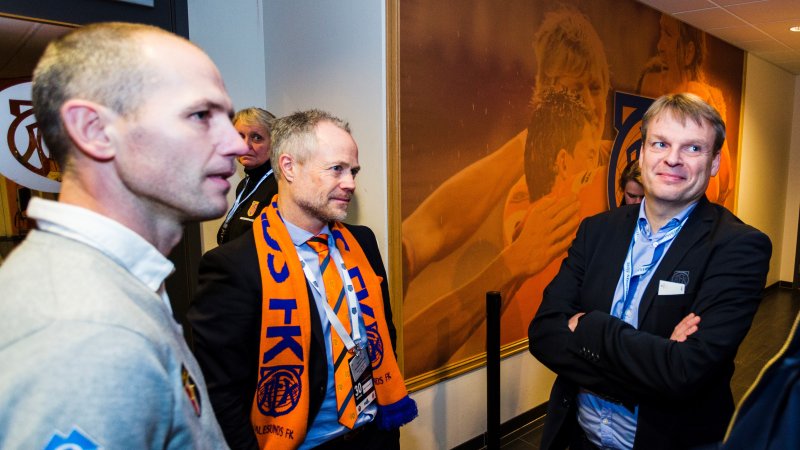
(299, 236)
(121, 244)
(679, 219)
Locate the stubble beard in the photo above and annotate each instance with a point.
(321, 210)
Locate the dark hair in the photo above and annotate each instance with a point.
(556, 123)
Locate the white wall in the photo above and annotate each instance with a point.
(331, 55)
(232, 35)
(453, 412)
(765, 155)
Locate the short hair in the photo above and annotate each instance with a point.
(682, 106)
(295, 135)
(556, 123)
(631, 172)
(255, 116)
(98, 62)
(566, 42)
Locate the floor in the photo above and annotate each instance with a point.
(770, 328)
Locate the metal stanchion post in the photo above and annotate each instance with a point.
(493, 370)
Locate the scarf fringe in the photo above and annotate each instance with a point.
(391, 417)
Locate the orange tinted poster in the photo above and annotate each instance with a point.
(516, 119)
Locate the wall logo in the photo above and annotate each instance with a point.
(24, 158)
(628, 112)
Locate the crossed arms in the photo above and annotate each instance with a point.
(607, 356)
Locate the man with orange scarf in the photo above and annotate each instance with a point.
(292, 323)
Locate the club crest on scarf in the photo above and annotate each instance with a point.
(279, 390)
(375, 345)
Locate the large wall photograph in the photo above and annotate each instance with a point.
(516, 119)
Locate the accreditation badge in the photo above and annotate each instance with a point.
(361, 374)
(253, 208)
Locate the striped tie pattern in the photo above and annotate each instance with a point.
(334, 291)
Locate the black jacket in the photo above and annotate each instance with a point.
(682, 388)
(241, 221)
(225, 317)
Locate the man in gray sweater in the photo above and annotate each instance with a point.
(91, 354)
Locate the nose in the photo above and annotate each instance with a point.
(248, 142)
(661, 44)
(232, 143)
(348, 182)
(673, 156)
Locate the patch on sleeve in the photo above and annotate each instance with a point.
(76, 440)
(191, 389)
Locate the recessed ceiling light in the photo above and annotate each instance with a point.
(796, 29)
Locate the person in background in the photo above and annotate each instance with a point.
(767, 416)
(630, 184)
(644, 318)
(678, 67)
(92, 357)
(258, 186)
(292, 323)
(569, 56)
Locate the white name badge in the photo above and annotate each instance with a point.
(670, 288)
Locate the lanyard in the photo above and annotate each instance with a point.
(631, 275)
(352, 302)
(240, 200)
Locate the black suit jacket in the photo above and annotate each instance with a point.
(682, 389)
(225, 317)
(241, 221)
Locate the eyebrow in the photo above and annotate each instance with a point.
(659, 138)
(210, 105)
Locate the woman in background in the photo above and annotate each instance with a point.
(259, 185)
(630, 183)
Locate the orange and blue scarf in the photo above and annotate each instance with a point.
(281, 405)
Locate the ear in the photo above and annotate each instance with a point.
(288, 167)
(86, 123)
(715, 164)
(688, 54)
(561, 162)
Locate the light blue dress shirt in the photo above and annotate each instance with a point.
(326, 425)
(610, 425)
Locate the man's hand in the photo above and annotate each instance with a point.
(573, 321)
(546, 234)
(685, 328)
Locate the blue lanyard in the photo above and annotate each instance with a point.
(240, 200)
(631, 274)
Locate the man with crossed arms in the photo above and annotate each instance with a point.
(285, 368)
(621, 322)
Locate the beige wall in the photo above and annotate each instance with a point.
(765, 158)
(792, 183)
